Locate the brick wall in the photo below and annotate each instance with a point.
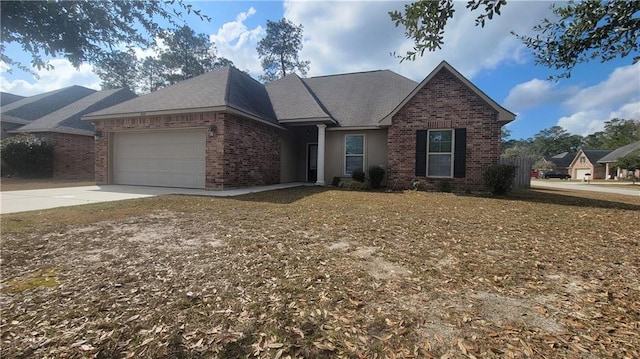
(73, 156)
(241, 152)
(251, 153)
(444, 103)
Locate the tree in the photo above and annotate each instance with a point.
(150, 74)
(117, 69)
(83, 31)
(555, 140)
(279, 50)
(581, 31)
(188, 55)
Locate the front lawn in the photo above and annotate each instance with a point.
(312, 272)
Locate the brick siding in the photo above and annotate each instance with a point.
(444, 103)
(241, 153)
(73, 156)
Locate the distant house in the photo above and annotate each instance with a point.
(585, 165)
(561, 161)
(23, 111)
(224, 129)
(609, 159)
(73, 139)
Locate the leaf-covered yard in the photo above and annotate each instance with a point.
(312, 272)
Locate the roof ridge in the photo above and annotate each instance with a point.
(349, 73)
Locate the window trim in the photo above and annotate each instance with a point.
(344, 152)
(451, 152)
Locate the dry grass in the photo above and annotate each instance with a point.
(19, 184)
(310, 272)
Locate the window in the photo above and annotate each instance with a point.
(440, 153)
(353, 154)
(582, 159)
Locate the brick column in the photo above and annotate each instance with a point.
(320, 175)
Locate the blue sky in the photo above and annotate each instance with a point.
(351, 36)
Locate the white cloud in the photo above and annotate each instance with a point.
(358, 36)
(63, 75)
(237, 43)
(617, 96)
(535, 93)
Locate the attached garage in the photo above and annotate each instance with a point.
(581, 173)
(175, 158)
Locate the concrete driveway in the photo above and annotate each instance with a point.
(37, 199)
(585, 186)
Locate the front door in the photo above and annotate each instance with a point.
(312, 162)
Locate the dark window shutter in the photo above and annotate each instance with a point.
(460, 153)
(421, 153)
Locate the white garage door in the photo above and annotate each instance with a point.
(581, 173)
(160, 158)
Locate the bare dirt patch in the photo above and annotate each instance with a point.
(316, 273)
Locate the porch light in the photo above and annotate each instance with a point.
(97, 135)
(212, 130)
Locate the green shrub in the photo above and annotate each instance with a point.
(28, 155)
(499, 178)
(356, 186)
(358, 176)
(336, 181)
(376, 175)
(445, 186)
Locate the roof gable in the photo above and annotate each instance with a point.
(293, 101)
(226, 88)
(593, 156)
(504, 115)
(68, 118)
(33, 107)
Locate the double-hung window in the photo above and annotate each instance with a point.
(440, 151)
(353, 154)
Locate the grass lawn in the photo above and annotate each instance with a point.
(312, 272)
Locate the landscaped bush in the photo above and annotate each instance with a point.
(499, 178)
(358, 176)
(28, 155)
(376, 175)
(336, 181)
(445, 186)
(356, 186)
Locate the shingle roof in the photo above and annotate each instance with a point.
(33, 107)
(620, 152)
(360, 99)
(292, 100)
(595, 155)
(7, 98)
(223, 87)
(561, 160)
(67, 119)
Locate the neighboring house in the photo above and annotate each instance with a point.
(561, 161)
(73, 139)
(585, 165)
(25, 110)
(608, 160)
(7, 98)
(224, 129)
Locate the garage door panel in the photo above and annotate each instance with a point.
(160, 158)
(581, 173)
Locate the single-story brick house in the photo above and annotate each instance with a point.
(585, 165)
(224, 129)
(25, 110)
(72, 138)
(610, 159)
